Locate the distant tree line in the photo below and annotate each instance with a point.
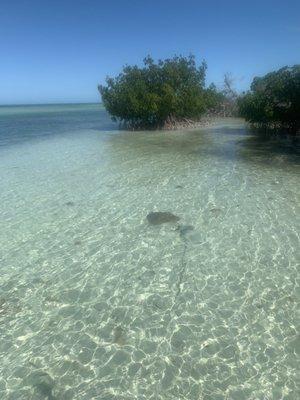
(168, 92)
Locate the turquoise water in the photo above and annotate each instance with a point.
(96, 303)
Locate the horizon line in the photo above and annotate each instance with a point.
(46, 104)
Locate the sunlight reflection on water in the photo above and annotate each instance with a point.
(97, 303)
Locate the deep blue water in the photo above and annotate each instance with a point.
(22, 123)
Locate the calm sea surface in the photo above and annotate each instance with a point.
(96, 303)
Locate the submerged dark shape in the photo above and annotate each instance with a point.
(161, 217)
(215, 210)
(70, 203)
(43, 382)
(183, 229)
(119, 336)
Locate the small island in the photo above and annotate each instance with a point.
(162, 95)
(172, 93)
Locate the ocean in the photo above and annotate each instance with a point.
(97, 303)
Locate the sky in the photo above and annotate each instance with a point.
(58, 51)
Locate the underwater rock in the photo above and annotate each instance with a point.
(160, 217)
(119, 336)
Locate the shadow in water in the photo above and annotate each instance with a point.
(246, 144)
(160, 142)
(269, 148)
(232, 142)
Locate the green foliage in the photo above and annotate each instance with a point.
(274, 99)
(150, 96)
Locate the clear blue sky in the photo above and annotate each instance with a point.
(59, 50)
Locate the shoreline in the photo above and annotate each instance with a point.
(171, 124)
(188, 124)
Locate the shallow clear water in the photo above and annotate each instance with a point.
(95, 303)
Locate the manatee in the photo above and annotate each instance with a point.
(160, 217)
